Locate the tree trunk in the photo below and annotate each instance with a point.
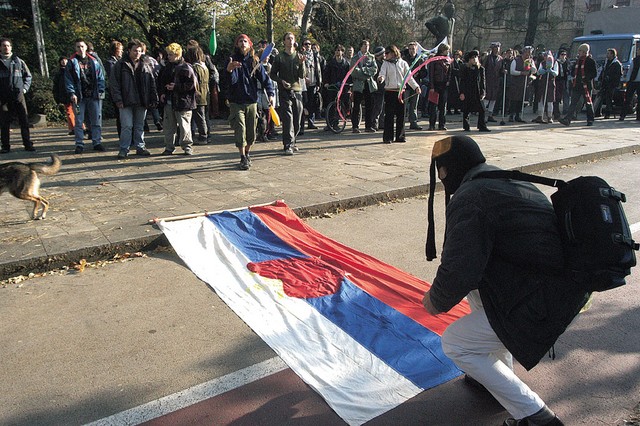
(306, 16)
(532, 22)
(269, 12)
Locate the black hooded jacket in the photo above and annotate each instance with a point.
(501, 238)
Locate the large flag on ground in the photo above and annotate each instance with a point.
(351, 326)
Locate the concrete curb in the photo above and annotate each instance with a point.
(156, 238)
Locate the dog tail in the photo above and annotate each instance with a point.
(50, 168)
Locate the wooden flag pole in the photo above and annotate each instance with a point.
(155, 220)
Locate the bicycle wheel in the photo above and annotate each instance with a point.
(335, 123)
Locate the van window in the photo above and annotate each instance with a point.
(599, 49)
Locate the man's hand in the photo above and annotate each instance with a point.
(233, 65)
(428, 306)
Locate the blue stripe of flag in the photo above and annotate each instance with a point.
(252, 237)
(406, 346)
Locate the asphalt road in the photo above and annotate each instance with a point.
(76, 347)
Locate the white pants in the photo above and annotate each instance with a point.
(473, 346)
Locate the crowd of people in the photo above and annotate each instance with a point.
(384, 87)
(508, 266)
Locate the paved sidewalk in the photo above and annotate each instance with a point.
(101, 206)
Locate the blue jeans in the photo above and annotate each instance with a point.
(94, 108)
(132, 126)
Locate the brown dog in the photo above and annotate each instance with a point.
(21, 180)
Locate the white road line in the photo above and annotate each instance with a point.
(193, 395)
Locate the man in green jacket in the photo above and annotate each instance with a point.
(287, 70)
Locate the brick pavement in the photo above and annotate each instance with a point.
(101, 206)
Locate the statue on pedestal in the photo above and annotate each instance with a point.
(442, 26)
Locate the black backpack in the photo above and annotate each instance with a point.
(597, 242)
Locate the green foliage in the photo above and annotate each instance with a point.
(40, 99)
(249, 17)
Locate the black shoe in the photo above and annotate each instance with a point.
(244, 163)
(564, 121)
(272, 137)
(79, 149)
(99, 148)
(71, 133)
(143, 152)
(511, 119)
(122, 154)
(415, 127)
(29, 148)
(167, 152)
(158, 126)
(401, 140)
(442, 128)
(431, 129)
(483, 129)
(312, 127)
(491, 119)
(525, 422)
(589, 123)
(355, 130)
(5, 150)
(519, 119)
(370, 130)
(386, 141)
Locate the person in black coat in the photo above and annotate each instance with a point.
(473, 90)
(503, 252)
(453, 95)
(610, 80)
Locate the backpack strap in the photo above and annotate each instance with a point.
(518, 175)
